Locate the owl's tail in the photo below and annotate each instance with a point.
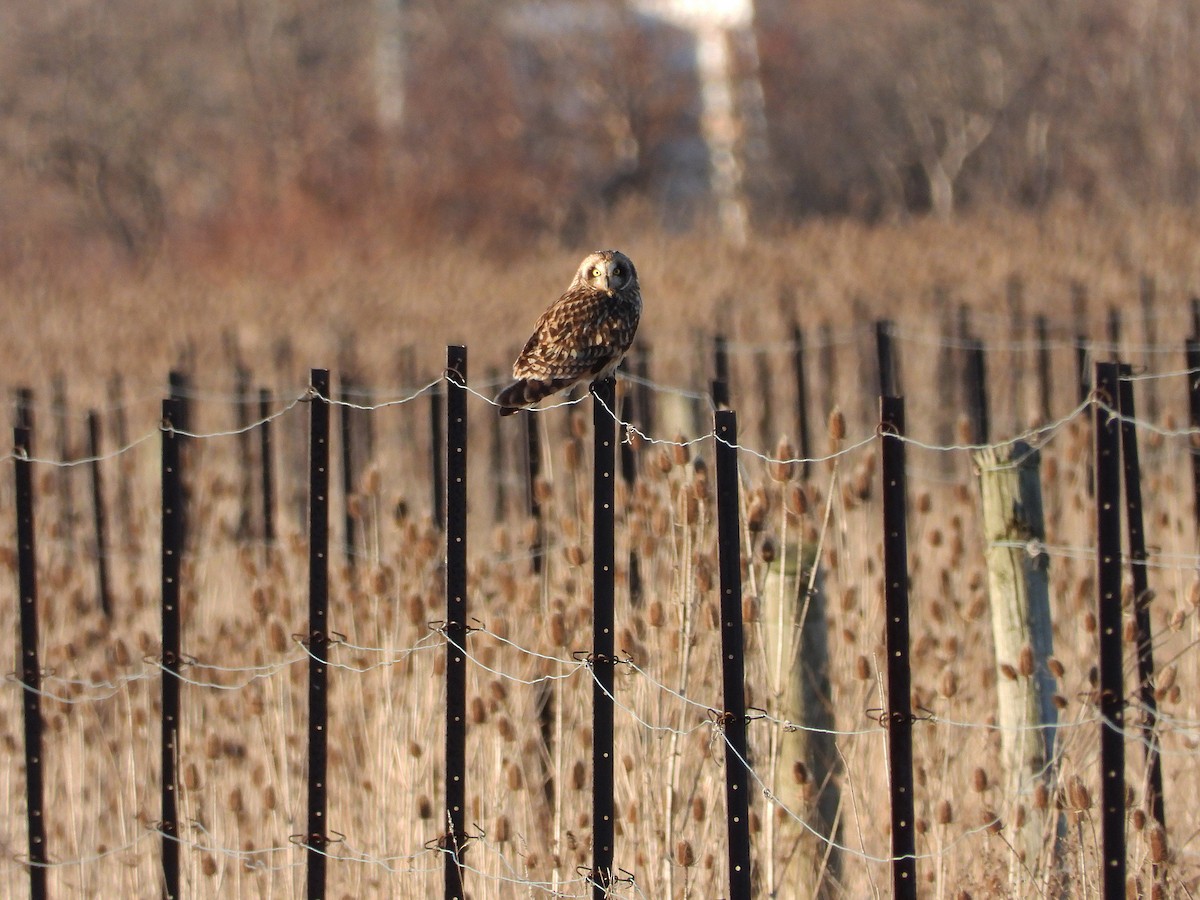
(525, 392)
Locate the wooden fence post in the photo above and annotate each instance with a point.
(1022, 633)
(603, 636)
(174, 518)
(455, 839)
(316, 838)
(795, 638)
(1141, 604)
(30, 667)
(98, 516)
(729, 563)
(899, 669)
(1107, 437)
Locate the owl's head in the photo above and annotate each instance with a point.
(607, 270)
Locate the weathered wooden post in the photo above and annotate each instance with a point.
(1018, 587)
(804, 761)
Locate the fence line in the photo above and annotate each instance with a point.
(318, 643)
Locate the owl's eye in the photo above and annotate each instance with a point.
(597, 272)
(616, 270)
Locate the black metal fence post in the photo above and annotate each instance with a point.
(456, 618)
(603, 636)
(318, 630)
(729, 564)
(533, 471)
(802, 423)
(885, 354)
(30, 667)
(98, 515)
(265, 451)
(1141, 598)
(245, 442)
(173, 536)
(720, 383)
(1107, 469)
(977, 395)
(1041, 332)
(899, 668)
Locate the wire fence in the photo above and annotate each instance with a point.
(528, 679)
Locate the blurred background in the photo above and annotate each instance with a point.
(133, 130)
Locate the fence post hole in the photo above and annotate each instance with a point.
(603, 638)
(172, 562)
(1022, 634)
(802, 425)
(886, 358)
(1107, 469)
(318, 632)
(31, 673)
(268, 472)
(349, 515)
(533, 469)
(720, 383)
(1041, 332)
(98, 515)
(1141, 600)
(1192, 349)
(899, 670)
(733, 720)
(456, 618)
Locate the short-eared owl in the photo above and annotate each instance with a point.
(583, 335)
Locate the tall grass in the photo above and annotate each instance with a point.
(242, 737)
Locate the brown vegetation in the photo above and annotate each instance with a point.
(242, 758)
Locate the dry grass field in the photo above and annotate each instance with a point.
(387, 313)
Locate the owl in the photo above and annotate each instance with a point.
(583, 335)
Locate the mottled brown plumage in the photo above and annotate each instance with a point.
(583, 335)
